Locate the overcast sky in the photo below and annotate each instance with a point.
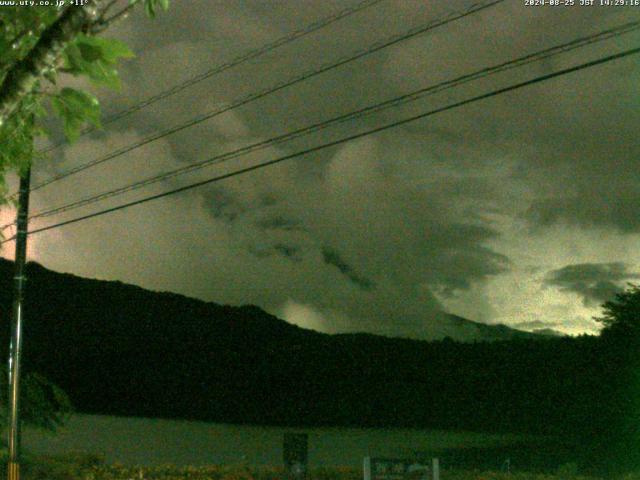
(519, 209)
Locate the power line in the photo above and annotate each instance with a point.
(287, 83)
(394, 102)
(334, 143)
(311, 28)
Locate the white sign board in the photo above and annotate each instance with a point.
(376, 468)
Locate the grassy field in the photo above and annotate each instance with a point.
(93, 468)
(153, 442)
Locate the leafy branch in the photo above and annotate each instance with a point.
(23, 77)
(45, 44)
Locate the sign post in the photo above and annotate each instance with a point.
(296, 453)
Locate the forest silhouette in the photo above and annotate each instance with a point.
(118, 349)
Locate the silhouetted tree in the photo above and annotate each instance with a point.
(621, 316)
(43, 404)
(616, 376)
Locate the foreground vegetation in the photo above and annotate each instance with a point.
(90, 467)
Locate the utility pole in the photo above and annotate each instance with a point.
(15, 348)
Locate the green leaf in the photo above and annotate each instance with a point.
(89, 52)
(103, 74)
(76, 108)
(151, 6)
(73, 61)
(108, 50)
(96, 57)
(33, 104)
(16, 137)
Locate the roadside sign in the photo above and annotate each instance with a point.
(378, 468)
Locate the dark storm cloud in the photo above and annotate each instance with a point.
(221, 204)
(460, 257)
(616, 209)
(332, 257)
(290, 252)
(410, 213)
(584, 172)
(278, 222)
(594, 282)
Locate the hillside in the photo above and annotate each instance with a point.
(120, 349)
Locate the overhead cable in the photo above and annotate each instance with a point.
(311, 28)
(451, 17)
(341, 141)
(394, 102)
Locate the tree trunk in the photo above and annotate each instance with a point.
(23, 76)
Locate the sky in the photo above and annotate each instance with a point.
(517, 209)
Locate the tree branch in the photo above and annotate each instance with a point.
(104, 23)
(24, 75)
(20, 35)
(105, 11)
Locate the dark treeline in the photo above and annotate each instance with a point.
(119, 349)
